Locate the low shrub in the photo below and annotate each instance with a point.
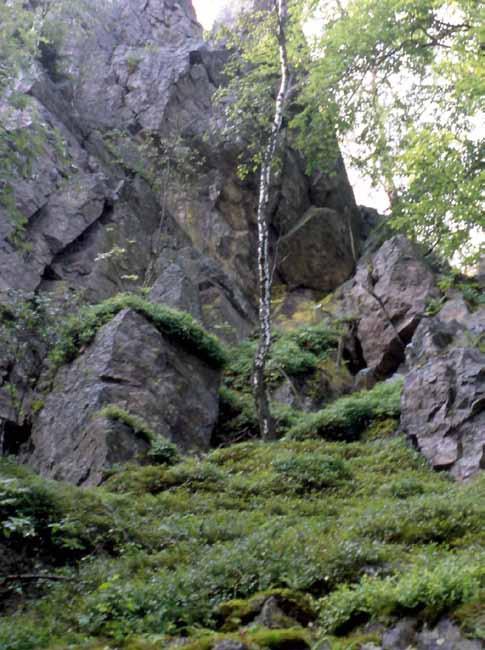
(79, 330)
(423, 518)
(163, 452)
(348, 416)
(293, 353)
(238, 421)
(288, 357)
(51, 517)
(313, 471)
(388, 538)
(471, 617)
(436, 585)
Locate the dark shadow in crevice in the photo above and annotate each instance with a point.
(15, 436)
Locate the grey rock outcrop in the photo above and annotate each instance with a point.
(96, 222)
(129, 364)
(92, 220)
(388, 296)
(408, 634)
(317, 252)
(443, 404)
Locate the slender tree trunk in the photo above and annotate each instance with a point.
(266, 424)
(384, 157)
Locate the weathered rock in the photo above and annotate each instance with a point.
(443, 404)
(229, 644)
(388, 296)
(313, 391)
(195, 283)
(365, 380)
(114, 56)
(400, 637)
(96, 224)
(132, 365)
(445, 636)
(316, 252)
(273, 617)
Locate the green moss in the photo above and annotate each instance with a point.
(161, 451)
(354, 641)
(381, 428)
(235, 613)
(296, 639)
(347, 417)
(137, 425)
(80, 329)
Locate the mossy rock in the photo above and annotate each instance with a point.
(296, 608)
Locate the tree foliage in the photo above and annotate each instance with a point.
(405, 80)
(400, 81)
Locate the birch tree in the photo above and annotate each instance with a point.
(260, 389)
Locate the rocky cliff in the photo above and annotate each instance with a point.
(112, 82)
(128, 304)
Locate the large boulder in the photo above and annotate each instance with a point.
(388, 296)
(131, 365)
(443, 404)
(316, 253)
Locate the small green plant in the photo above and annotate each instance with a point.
(434, 306)
(132, 62)
(469, 288)
(163, 452)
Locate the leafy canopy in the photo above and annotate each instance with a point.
(400, 81)
(404, 79)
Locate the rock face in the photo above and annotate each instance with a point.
(132, 365)
(445, 635)
(99, 219)
(388, 296)
(317, 252)
(94, 220)
(443, 405)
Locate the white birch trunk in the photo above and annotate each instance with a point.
(264, 272)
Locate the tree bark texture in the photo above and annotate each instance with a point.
(266, 424)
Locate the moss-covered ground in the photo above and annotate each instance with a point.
(352, 532)
(338, 527)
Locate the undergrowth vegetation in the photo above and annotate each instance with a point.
(292, 353)
(349, 416)
(340, 524)
(345, 532)
(81, 328)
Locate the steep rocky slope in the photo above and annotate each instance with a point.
(127, 307)
(106, 211)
